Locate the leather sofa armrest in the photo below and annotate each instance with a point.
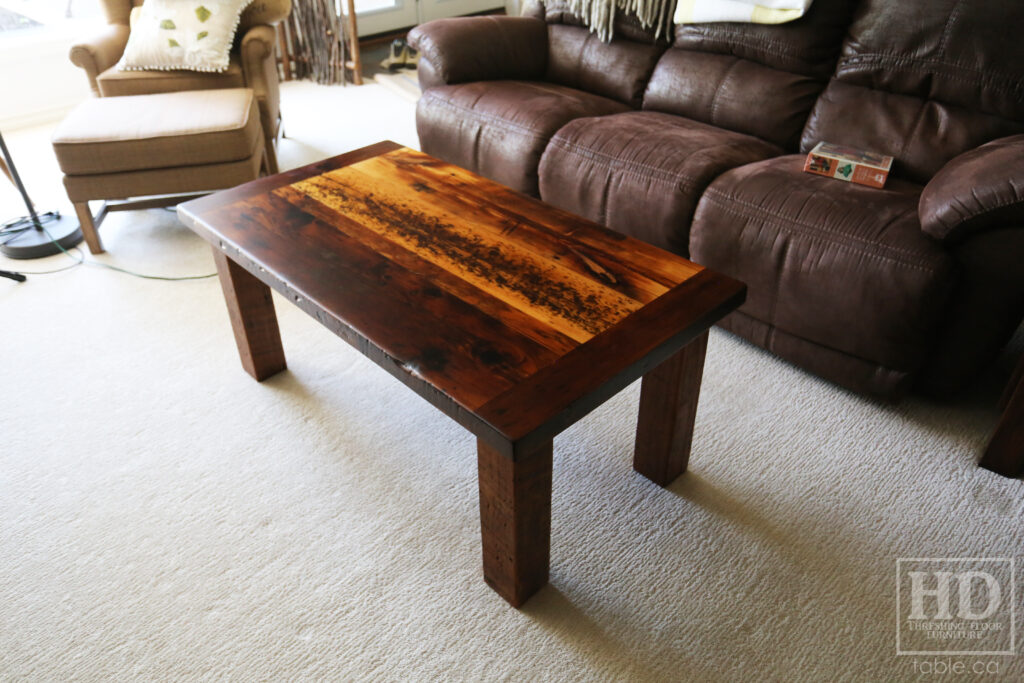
(480, 49)
(100, 53)
(978, 190)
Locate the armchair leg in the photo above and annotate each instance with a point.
(92, 236)
(270, 153)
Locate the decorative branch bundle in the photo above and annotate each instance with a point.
(316, 41)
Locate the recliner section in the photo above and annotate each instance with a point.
(641, 173)
(842, 266)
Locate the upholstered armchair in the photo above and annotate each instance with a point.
(253, 63)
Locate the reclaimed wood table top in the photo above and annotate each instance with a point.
(513, 317)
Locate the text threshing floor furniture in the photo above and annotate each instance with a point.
(512, 317)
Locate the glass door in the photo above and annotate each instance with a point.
(382, 16)
(440, 9)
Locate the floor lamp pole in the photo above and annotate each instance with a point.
(27, 237)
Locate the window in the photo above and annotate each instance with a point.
(17, 16)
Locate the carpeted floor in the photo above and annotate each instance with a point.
(162, 516)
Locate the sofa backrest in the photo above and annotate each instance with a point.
(924, 80)
(577, 58)
(751, 78)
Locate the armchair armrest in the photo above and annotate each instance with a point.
(100, 53)
(268, 12)
(480, 49)
(978, 190)
(259, 68)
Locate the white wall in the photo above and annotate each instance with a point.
(38, 83)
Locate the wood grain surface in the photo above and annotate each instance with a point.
(511, 316)
(515, 520)
(253, 319)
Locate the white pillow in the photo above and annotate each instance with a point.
(194, 35)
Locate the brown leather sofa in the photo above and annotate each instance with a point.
(697, 145)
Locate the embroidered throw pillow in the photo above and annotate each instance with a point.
(194, 35)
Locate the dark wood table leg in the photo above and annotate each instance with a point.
(515, 521)
(252, 318)
(668, 406)
(1005, 452)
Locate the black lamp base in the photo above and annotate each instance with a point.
(35, 243)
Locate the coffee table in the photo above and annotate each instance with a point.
(512, 317)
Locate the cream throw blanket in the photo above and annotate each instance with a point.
(752, 11)
(599, 15)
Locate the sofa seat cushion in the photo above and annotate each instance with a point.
(500, 128)
(169, 130)
(840, 269)
(116, 83)
(642, 173)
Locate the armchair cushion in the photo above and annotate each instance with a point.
(195, 34)
(976, 190)
(480, 49)
(116, 83)
(116, 135)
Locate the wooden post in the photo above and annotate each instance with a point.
(668, 407)
(253, 319)
(515, 521)
(89, 231)
(354, 63)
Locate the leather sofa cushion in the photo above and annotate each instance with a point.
(921, 135)
(618, 70)
(925, 81)
(808, 46)
(116, 83)
(641, 173)
(500, 128)
(751, 78)
(724, 91)
(966, 53)
(839, 265)
(116, 134)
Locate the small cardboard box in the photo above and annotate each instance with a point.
(849, 164)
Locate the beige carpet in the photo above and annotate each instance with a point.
(164, 517)
(404, 83)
